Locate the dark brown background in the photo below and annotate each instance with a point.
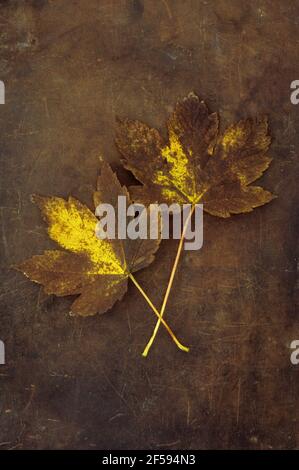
(70, 67)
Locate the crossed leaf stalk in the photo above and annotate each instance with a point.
(195, 164)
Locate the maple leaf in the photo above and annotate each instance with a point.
(196, 163)
(96, 269)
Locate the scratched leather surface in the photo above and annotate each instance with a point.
(69, 68)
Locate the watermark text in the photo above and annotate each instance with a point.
(156, 221)
(2, 353)
(2, 92)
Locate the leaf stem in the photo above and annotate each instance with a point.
(160, 319)
(170, 282)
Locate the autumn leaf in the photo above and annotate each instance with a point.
(96, 270)
(196, 164)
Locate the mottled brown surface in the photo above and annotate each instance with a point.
(70, 67)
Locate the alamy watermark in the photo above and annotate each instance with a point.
(2, 353)
(2, 92)
(294, 358)
(153, 222)
(294, 97)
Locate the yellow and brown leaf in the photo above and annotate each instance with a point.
(197, 163)
(95, 269)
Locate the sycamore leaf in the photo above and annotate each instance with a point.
(97, 270)
(196, 163)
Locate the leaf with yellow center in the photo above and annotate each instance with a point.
(96, 269)
(196, 163)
